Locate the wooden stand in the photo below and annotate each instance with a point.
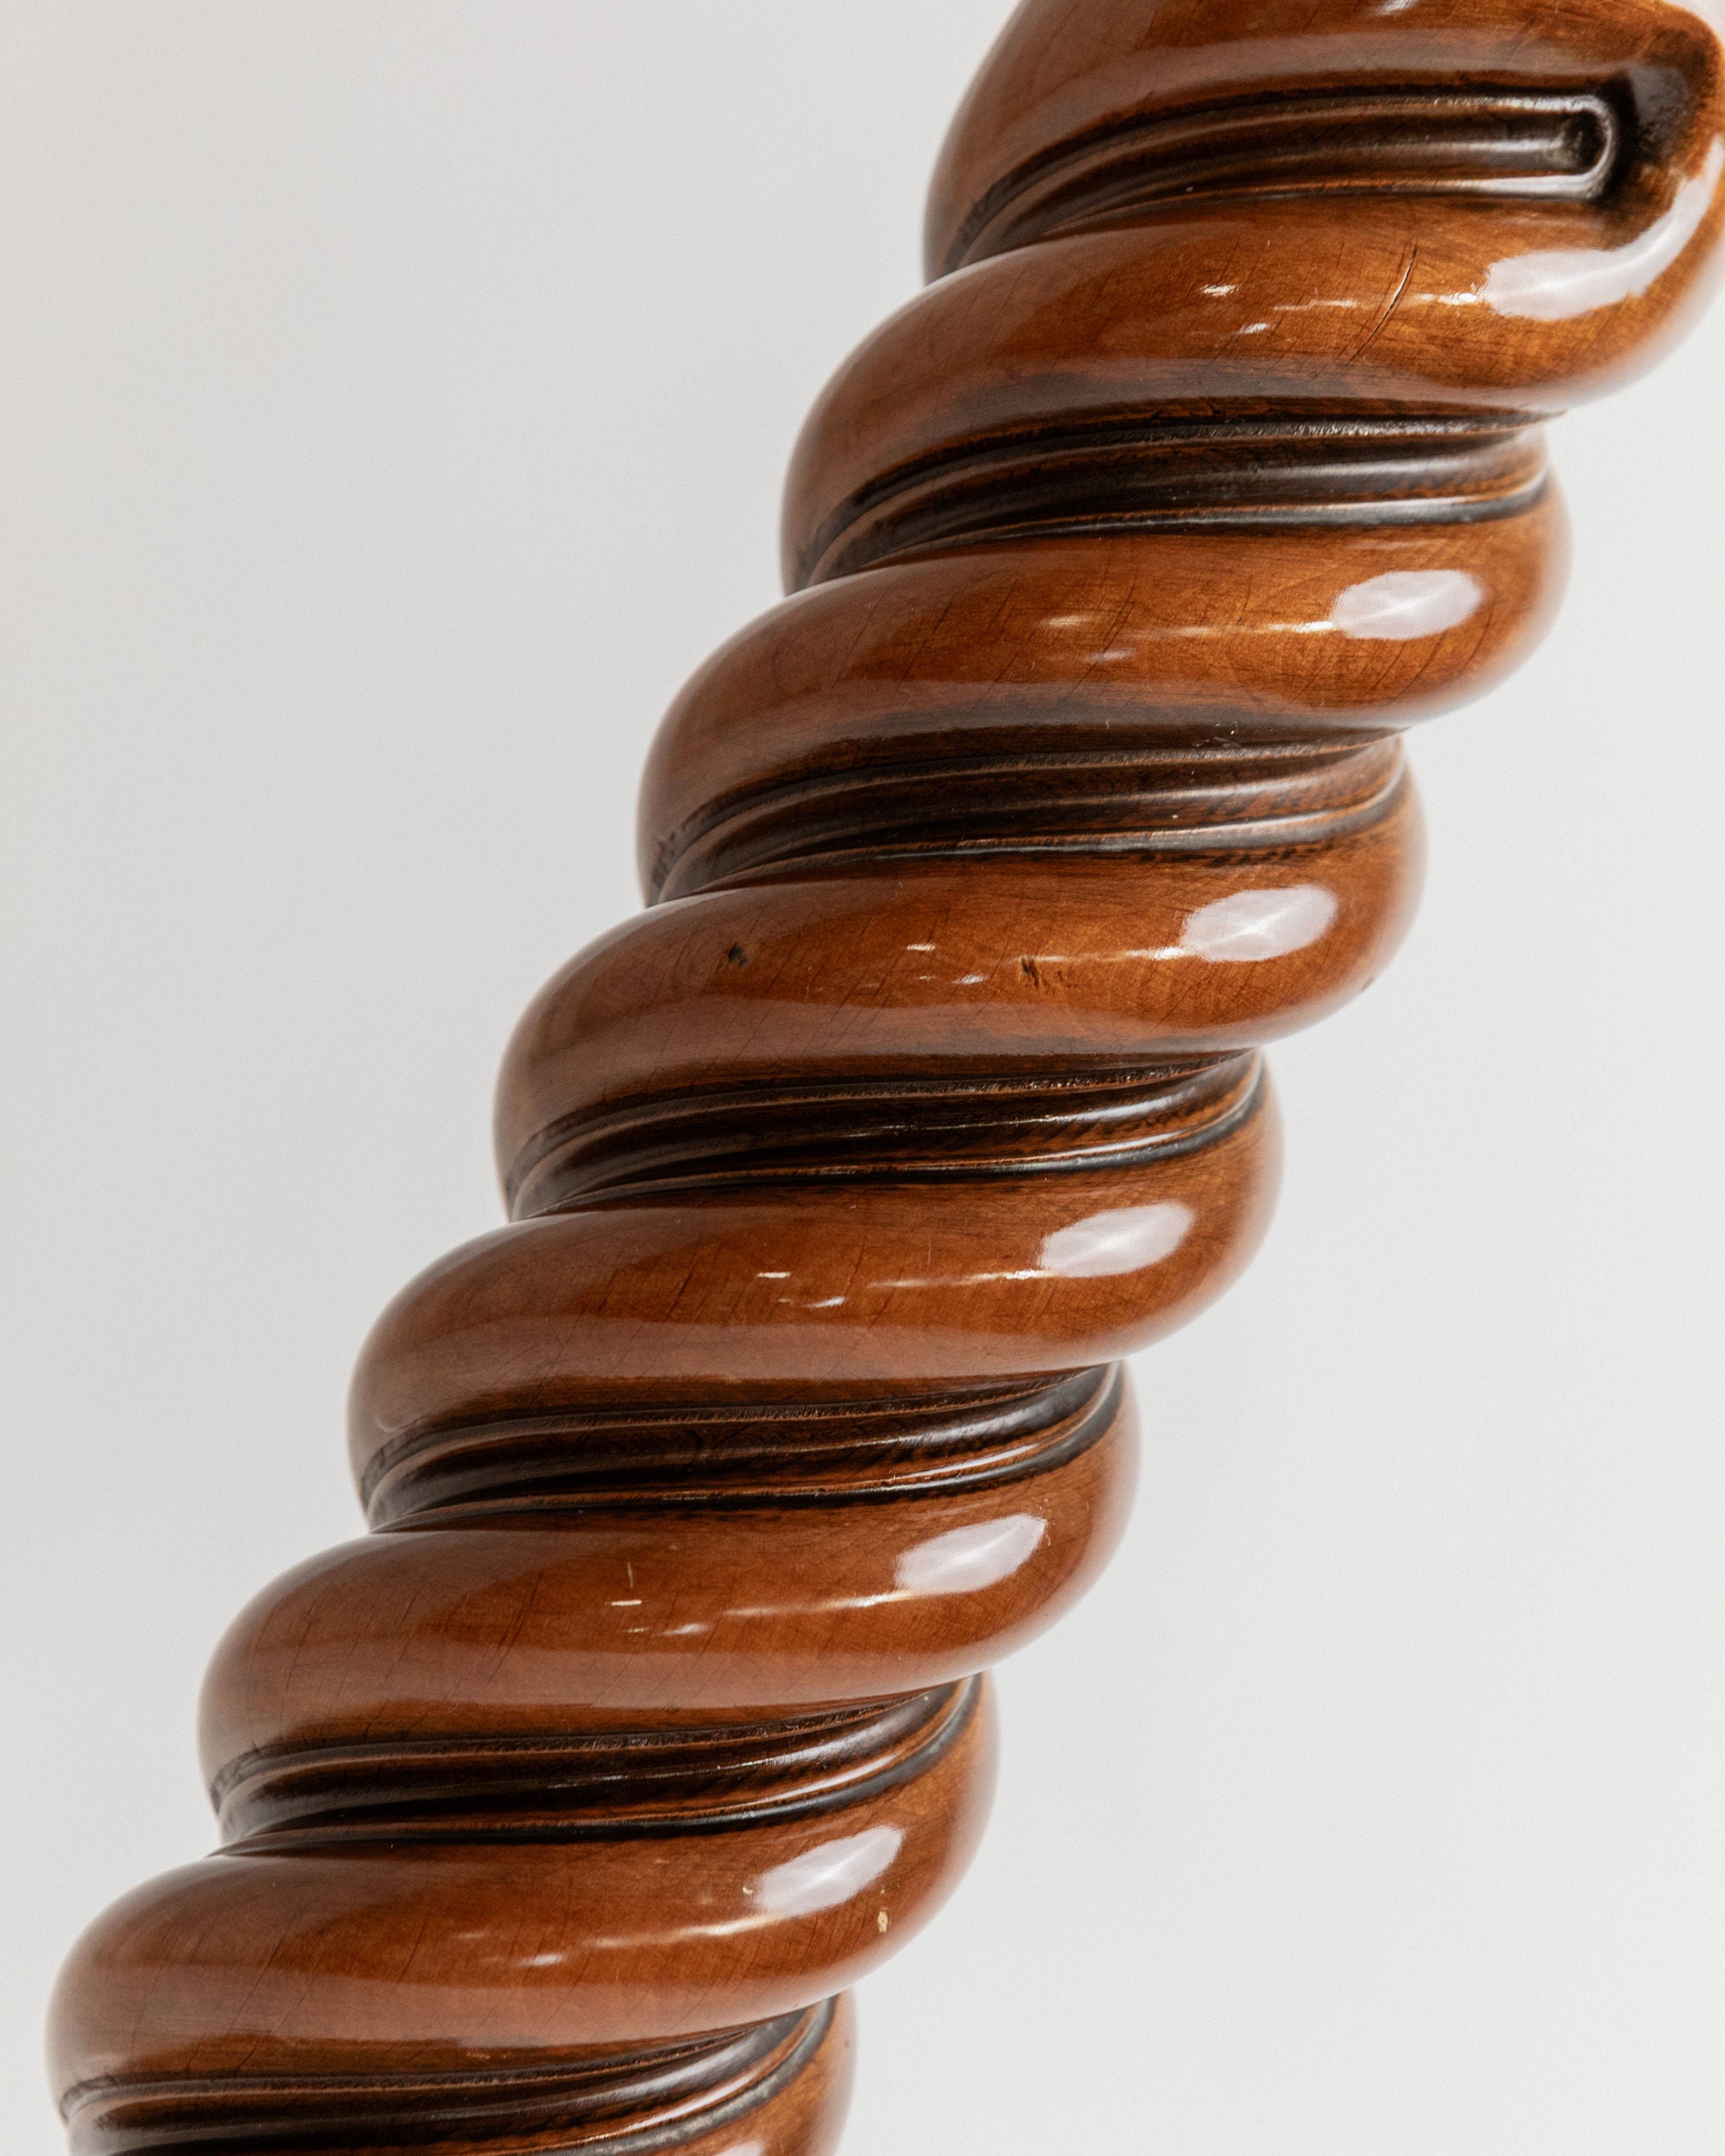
(559, 1812)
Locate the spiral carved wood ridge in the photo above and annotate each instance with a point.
(559, 1812)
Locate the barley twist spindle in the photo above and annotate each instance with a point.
(559, 1812)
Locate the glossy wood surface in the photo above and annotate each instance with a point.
(559, 1811)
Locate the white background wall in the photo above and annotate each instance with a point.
(395, 398)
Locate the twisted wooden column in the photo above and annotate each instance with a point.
(559, 1811)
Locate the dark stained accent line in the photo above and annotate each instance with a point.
(562, 2106)
(1216, 802)
(618, 1787)
(1191, 786)
(1162, 469)
(862, 1448)
(900, 1133)
(1538, 147)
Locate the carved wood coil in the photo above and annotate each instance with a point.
(559, 1811)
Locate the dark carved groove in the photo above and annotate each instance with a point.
(771, 1449)
(1480, 141)
(587, 2104)
(1178, 801)
(612, 1787)
(895, 1129)
(1122, 471)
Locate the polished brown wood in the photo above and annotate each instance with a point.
(562, 1810)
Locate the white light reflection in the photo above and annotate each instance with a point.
(1129, 1239)
(1249, 926)
(1555, 284)
(968, 1559)
(823, 1879)
(1404, 605)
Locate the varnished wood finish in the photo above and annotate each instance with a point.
(559, 1811)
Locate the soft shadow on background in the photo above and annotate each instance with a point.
(395, 399)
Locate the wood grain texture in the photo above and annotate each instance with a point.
(561, 1811)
